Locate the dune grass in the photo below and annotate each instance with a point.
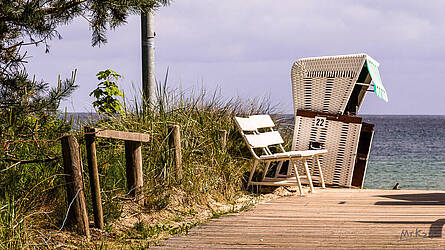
(33, 195)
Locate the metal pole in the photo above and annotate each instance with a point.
(148, 59)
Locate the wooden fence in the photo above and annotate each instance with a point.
(72, 162)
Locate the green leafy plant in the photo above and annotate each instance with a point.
(107, 92)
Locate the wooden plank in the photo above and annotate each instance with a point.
(330, 218)
(121, 135)
(332, 117)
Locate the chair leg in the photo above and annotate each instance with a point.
(265, 170)
(252, 171)
(277, 172)
(297, 176)
(289, 172)
(320, 172)
(308, 174)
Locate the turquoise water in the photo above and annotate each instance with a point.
(409, 150)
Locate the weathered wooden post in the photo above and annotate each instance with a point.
(133, 161)
(133, 158)
(94, 177)
(72, 165)
(175, 143)
(223, 138)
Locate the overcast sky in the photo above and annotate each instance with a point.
(246, 48)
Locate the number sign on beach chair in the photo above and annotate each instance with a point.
(258, 133)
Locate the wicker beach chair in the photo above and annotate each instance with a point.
(327, 95)
(262, 140)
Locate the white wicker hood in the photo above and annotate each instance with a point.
(335, 84)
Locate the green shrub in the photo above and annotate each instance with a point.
(107, 92)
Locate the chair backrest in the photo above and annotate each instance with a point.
(262, 121)
(263, 140)
(249, 129)
(246, 124)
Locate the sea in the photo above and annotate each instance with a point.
(407, 149)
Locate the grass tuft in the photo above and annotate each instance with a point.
(211, 173)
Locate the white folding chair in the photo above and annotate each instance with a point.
(257, 131)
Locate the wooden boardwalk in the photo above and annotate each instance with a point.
(329, 219)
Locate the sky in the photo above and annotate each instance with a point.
(246, 49)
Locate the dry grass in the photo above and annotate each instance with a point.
(212, 184)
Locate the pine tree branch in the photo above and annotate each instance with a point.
(53, 9)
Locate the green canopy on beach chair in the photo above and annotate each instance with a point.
(373, 68)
